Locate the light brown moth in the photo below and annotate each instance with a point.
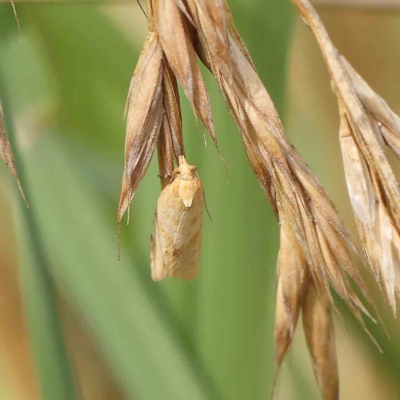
(176, 237)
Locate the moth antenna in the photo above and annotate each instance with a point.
(205, 203)
(16, 19)
(141, 7)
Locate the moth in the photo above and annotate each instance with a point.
(177, 227)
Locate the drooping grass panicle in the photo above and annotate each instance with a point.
(316, 248)
(144, 113)
(367, 125)
(170, 145)
(283, 173)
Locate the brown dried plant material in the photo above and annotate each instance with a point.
(367, 123)
(292, 281)
(282, 172)
(316, 247)
(315, 243)
(170, 142)
(387, 121)
(181, 57)
(165, 154)
(177, 227)
(320, 337)
(172, 109)
(144, 111)
(6, 153)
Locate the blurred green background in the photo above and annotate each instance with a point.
(74, 322)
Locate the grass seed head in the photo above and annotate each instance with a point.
(144, 113)
(179, 50)
(320, 338)
(367, 126)
(316, 248)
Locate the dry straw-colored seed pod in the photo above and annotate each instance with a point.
(320, 337)
(181, 56)
(170, 142)
(177, 227)
(316, 247)
(300, 203)
(144, 111)
(293, 278)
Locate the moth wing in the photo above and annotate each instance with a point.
(187, 241)
(176, 237)
(158, 271)
(164, 230)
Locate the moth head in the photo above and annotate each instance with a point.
(185, 171)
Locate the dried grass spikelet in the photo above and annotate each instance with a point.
(170, 145)
(181, 56)
(144, 111)
(176, 237)
(292, 281)
(154, 120)
(153, 99)
(6, 153)
(320, 244)
(316, 246)
(367, 124)
(280, 169)
(320, 337)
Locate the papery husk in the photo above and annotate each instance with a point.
(320, 338)
(367, 123)
(292, 281)
(284, 174)
(144, 112)
(182, 59)
(165, 153)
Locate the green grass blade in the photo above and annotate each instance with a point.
(40, 301)
(132, 333)
(53, 364)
